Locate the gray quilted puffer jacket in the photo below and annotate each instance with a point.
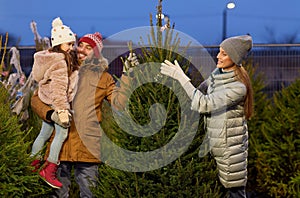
(227, 132)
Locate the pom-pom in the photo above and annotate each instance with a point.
(57, 22)
(97, 34)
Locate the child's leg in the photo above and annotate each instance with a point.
(43, 136)
(59, 138)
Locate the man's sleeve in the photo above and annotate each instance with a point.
(43, 110)
(119, 95)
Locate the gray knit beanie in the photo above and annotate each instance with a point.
(237, 47)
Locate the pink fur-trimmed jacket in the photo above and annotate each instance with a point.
(55, 87)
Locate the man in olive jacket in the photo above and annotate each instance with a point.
(81, 149)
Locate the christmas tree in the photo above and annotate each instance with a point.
(151, 148)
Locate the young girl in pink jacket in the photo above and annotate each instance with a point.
(56, 72)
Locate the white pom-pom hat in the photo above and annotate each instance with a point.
(61, 33)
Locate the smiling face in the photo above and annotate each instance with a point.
(67, 47)
(224, 61)
(84, 50)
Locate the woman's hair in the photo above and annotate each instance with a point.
(242, 75)
(71, 58)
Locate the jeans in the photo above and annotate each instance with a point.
(55, 147)
(237, 192)
(86, 175)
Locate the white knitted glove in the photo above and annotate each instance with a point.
(63, 116)
(130, 62)
(55, 118)
(175, 71)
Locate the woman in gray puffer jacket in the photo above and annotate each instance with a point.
(226, 98)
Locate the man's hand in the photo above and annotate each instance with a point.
(130, 62)
(61, 118)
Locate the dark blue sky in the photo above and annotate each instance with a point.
(266, 20)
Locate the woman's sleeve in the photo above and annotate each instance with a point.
(218, 100)
(203, 87)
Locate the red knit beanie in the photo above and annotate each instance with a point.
(95, 41)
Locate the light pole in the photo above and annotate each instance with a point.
(229, 6)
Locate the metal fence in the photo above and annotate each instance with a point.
(278, 63)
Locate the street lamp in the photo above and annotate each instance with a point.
(229, 6)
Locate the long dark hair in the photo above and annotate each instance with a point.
(242, 75)
(71, 58)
